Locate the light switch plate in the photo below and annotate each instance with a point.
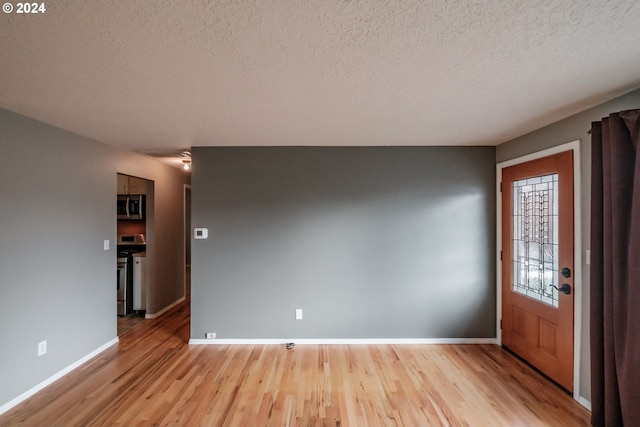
(106, 245)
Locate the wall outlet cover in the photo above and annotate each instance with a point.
(42, 348)
(200, 233)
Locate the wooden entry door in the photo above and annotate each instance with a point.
(538, 265)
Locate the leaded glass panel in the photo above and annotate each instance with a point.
(535, 238)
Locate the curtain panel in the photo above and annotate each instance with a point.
(615, 270)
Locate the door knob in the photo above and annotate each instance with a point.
(564, 288)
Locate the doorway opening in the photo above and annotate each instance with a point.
(187, 241)
(135, 225)
(529, 262)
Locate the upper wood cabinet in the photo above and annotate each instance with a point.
(131, 185)
(123, 184)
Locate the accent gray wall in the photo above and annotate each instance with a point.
(371, 242)
(571, 129)
(58, 195)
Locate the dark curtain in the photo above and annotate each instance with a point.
(615, 270)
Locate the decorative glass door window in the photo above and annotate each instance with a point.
(535, 238)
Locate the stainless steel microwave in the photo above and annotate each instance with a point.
(131, 206)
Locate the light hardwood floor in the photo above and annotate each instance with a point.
(126, 323)
(154, 378)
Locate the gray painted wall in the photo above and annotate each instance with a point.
(58, 193)
(567, 130)
(371, 242)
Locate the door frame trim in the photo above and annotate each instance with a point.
(577, 244)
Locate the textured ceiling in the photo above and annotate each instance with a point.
(167, 75)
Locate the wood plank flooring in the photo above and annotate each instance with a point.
(126, 323)
(154, 378)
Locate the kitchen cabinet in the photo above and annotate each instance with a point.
(131, 185)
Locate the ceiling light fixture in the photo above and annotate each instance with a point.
(186, 164)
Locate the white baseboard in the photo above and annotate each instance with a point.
(164, 310)
(346, 341)
(27, 394)
(584, 402)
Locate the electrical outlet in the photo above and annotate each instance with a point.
(42, 348)
(210, 335)
(298, 313)
(200, 233)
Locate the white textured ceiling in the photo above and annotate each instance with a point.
(167, 75)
